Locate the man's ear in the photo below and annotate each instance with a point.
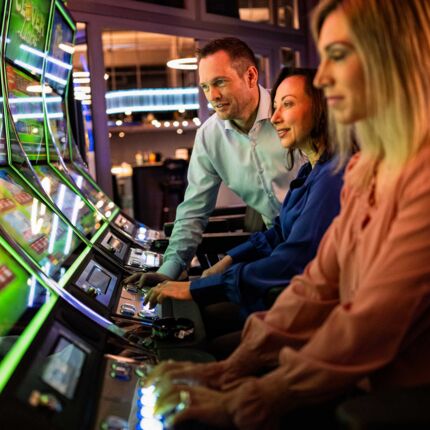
(252, 76)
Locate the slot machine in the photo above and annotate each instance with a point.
(43, 214)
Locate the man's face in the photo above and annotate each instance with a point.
(228, 93)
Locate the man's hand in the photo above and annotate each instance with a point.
(219, 267)
(172, 289)
(146, 279)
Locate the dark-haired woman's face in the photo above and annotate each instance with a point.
(292, 112)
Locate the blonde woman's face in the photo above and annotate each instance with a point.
(340, 73)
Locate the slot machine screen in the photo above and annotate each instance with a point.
(71, 205)
(26, 36)
(26, 105)
(58, 64)
(21, 296)
(63, 367)
(31, 224)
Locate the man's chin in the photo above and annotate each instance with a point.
(224, 115)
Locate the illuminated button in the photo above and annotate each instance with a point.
(150, 424)
(93, 292)
(127, 312)
(121, 371)
(48, 401)
(132, 288)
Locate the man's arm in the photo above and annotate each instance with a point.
(193, 213)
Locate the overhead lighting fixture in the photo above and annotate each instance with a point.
(183, 63)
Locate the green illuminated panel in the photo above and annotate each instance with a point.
(26, 36)
(70, 204)
(32, 225)
(21, 299)
(26, 106)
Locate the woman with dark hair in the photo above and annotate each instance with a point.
(359, 314)
(270, 259)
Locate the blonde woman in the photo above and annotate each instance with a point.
(360, 312)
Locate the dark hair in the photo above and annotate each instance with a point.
(319, 133)
(240, 53)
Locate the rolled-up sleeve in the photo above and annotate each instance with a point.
(193, 213)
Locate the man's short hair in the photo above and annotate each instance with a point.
(240, 53)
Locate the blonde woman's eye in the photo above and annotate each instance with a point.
(338, 55)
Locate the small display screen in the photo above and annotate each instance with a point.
(69, 203)
(64, 367)
(99, 279)
(21, 296)
(115, 243)
(26, 36)
(33, 226)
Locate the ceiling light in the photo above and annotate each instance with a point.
(183, 63)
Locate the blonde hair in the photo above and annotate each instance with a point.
(392, 39)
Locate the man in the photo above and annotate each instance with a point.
(238, 146)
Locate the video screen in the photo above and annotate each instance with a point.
(63, 367)
(99, 279)
(91, 192)
(21, 296)
(26, 36)
(36, 229)
(57, 125)
(58, 64)
(70, 204)
(26, 105)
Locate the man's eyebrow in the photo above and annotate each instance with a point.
(217, 78)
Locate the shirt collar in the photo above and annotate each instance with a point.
(264, 109)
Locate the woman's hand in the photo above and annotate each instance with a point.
(185, 373)
(219, 267)
(180, 403)
(172, 289)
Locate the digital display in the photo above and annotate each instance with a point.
(57, 125)
(21, 296)
(63, 368)
(99, 279)
(26, 37)
(58, 64)
(32, 225)
(69, 203)
(26, 105)
(91, 192)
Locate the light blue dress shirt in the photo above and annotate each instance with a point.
(252, 165)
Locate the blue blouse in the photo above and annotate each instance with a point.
(271, 258)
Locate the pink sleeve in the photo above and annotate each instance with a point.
(357, 339)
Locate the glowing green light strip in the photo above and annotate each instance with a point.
(10, 362)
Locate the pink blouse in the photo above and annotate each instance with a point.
(360, 309)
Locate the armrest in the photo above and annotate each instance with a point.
(396, 408)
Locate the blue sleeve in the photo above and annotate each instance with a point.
(259, 245)
(247, 283)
